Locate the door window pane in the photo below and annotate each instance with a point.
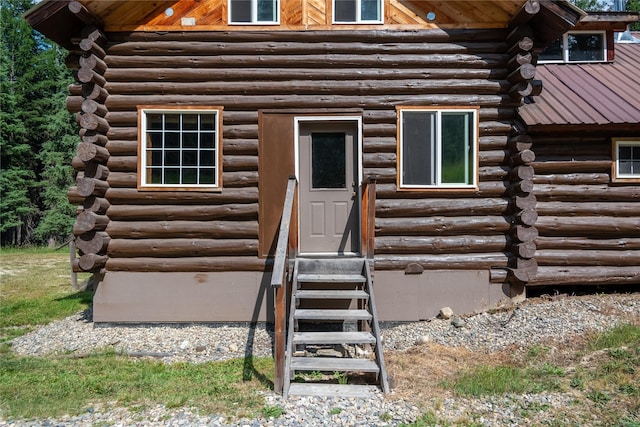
(328, 164)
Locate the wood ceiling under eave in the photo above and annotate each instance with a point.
(119, 15)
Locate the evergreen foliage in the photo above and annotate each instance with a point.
(37, 134)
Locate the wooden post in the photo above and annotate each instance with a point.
(72, 259)
(280, 338)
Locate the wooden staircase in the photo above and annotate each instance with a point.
(333, 338)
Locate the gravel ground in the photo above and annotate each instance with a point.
(558, 318)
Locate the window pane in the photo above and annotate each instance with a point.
(207, 140)
(207, 122)
(629, 160)
(267, 11)
(172, 121)
(418, 140)
(344, 10)
(190, 158)
(171, 176)
(172, 139)
(240, 10)
(190, 122)
(156, 176)
(154, 121)
(172, 158)
(553, 52)
(370, 10)
(207, 158)
(155, 157)
(208, 176)
(328, 164)
(189, 140)
(457, 155)
(154, 139)
(190, 176)
(586, 47)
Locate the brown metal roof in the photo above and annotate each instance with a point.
(588, 94)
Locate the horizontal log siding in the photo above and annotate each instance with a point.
(589, 228)
(371, 71)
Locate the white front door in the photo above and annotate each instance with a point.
(328, 188)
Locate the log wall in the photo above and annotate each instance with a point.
(490, 228)
(589, 227)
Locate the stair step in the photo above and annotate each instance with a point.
(333, 338)
(333, 364)
(331, 278)
(335, 390)
(331, 294)
(320, 314)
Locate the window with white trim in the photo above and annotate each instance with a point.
(577, 46)
(180, 148)
(627, 159)
(437, 148)
(357, 11)
(254, 11)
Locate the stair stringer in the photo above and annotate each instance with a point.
(375, 326)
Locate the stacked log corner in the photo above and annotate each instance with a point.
(87, 99)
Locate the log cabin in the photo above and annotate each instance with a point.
(585, 130)
(246, 160)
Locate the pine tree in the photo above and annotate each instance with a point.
(35, 132)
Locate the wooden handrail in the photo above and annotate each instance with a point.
(368, 216)
(282, 248)
(279, 283)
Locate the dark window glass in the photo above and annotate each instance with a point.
(457, 155)
(154, 121)
(172, 158)
(586, 47)
(553, 52)
(171, 176)
(189, 122)
(156, 176)
(266, 11)
(154, 139)
(629, 160)
(418, 151)
(156, 157)
(345, 11)
(207, 176)
(240, 10)
(190, 158)
(207, 122)
(369, 10)
(172, 139)
(189, 176)
(328, 164)
(172, 121)
(190, 140)
(207, 158)
(207, 140)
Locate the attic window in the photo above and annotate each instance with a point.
(357, 11)
(626, 153)
(577, 46)
(253, 11)
(179, 148)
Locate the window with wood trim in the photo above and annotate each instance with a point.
(254, 12)
(577, 46)
(437, 148)
(179, 148)
(626, 156)
(357, 11)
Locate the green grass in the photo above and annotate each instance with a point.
(35, 289)
(38, 387)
